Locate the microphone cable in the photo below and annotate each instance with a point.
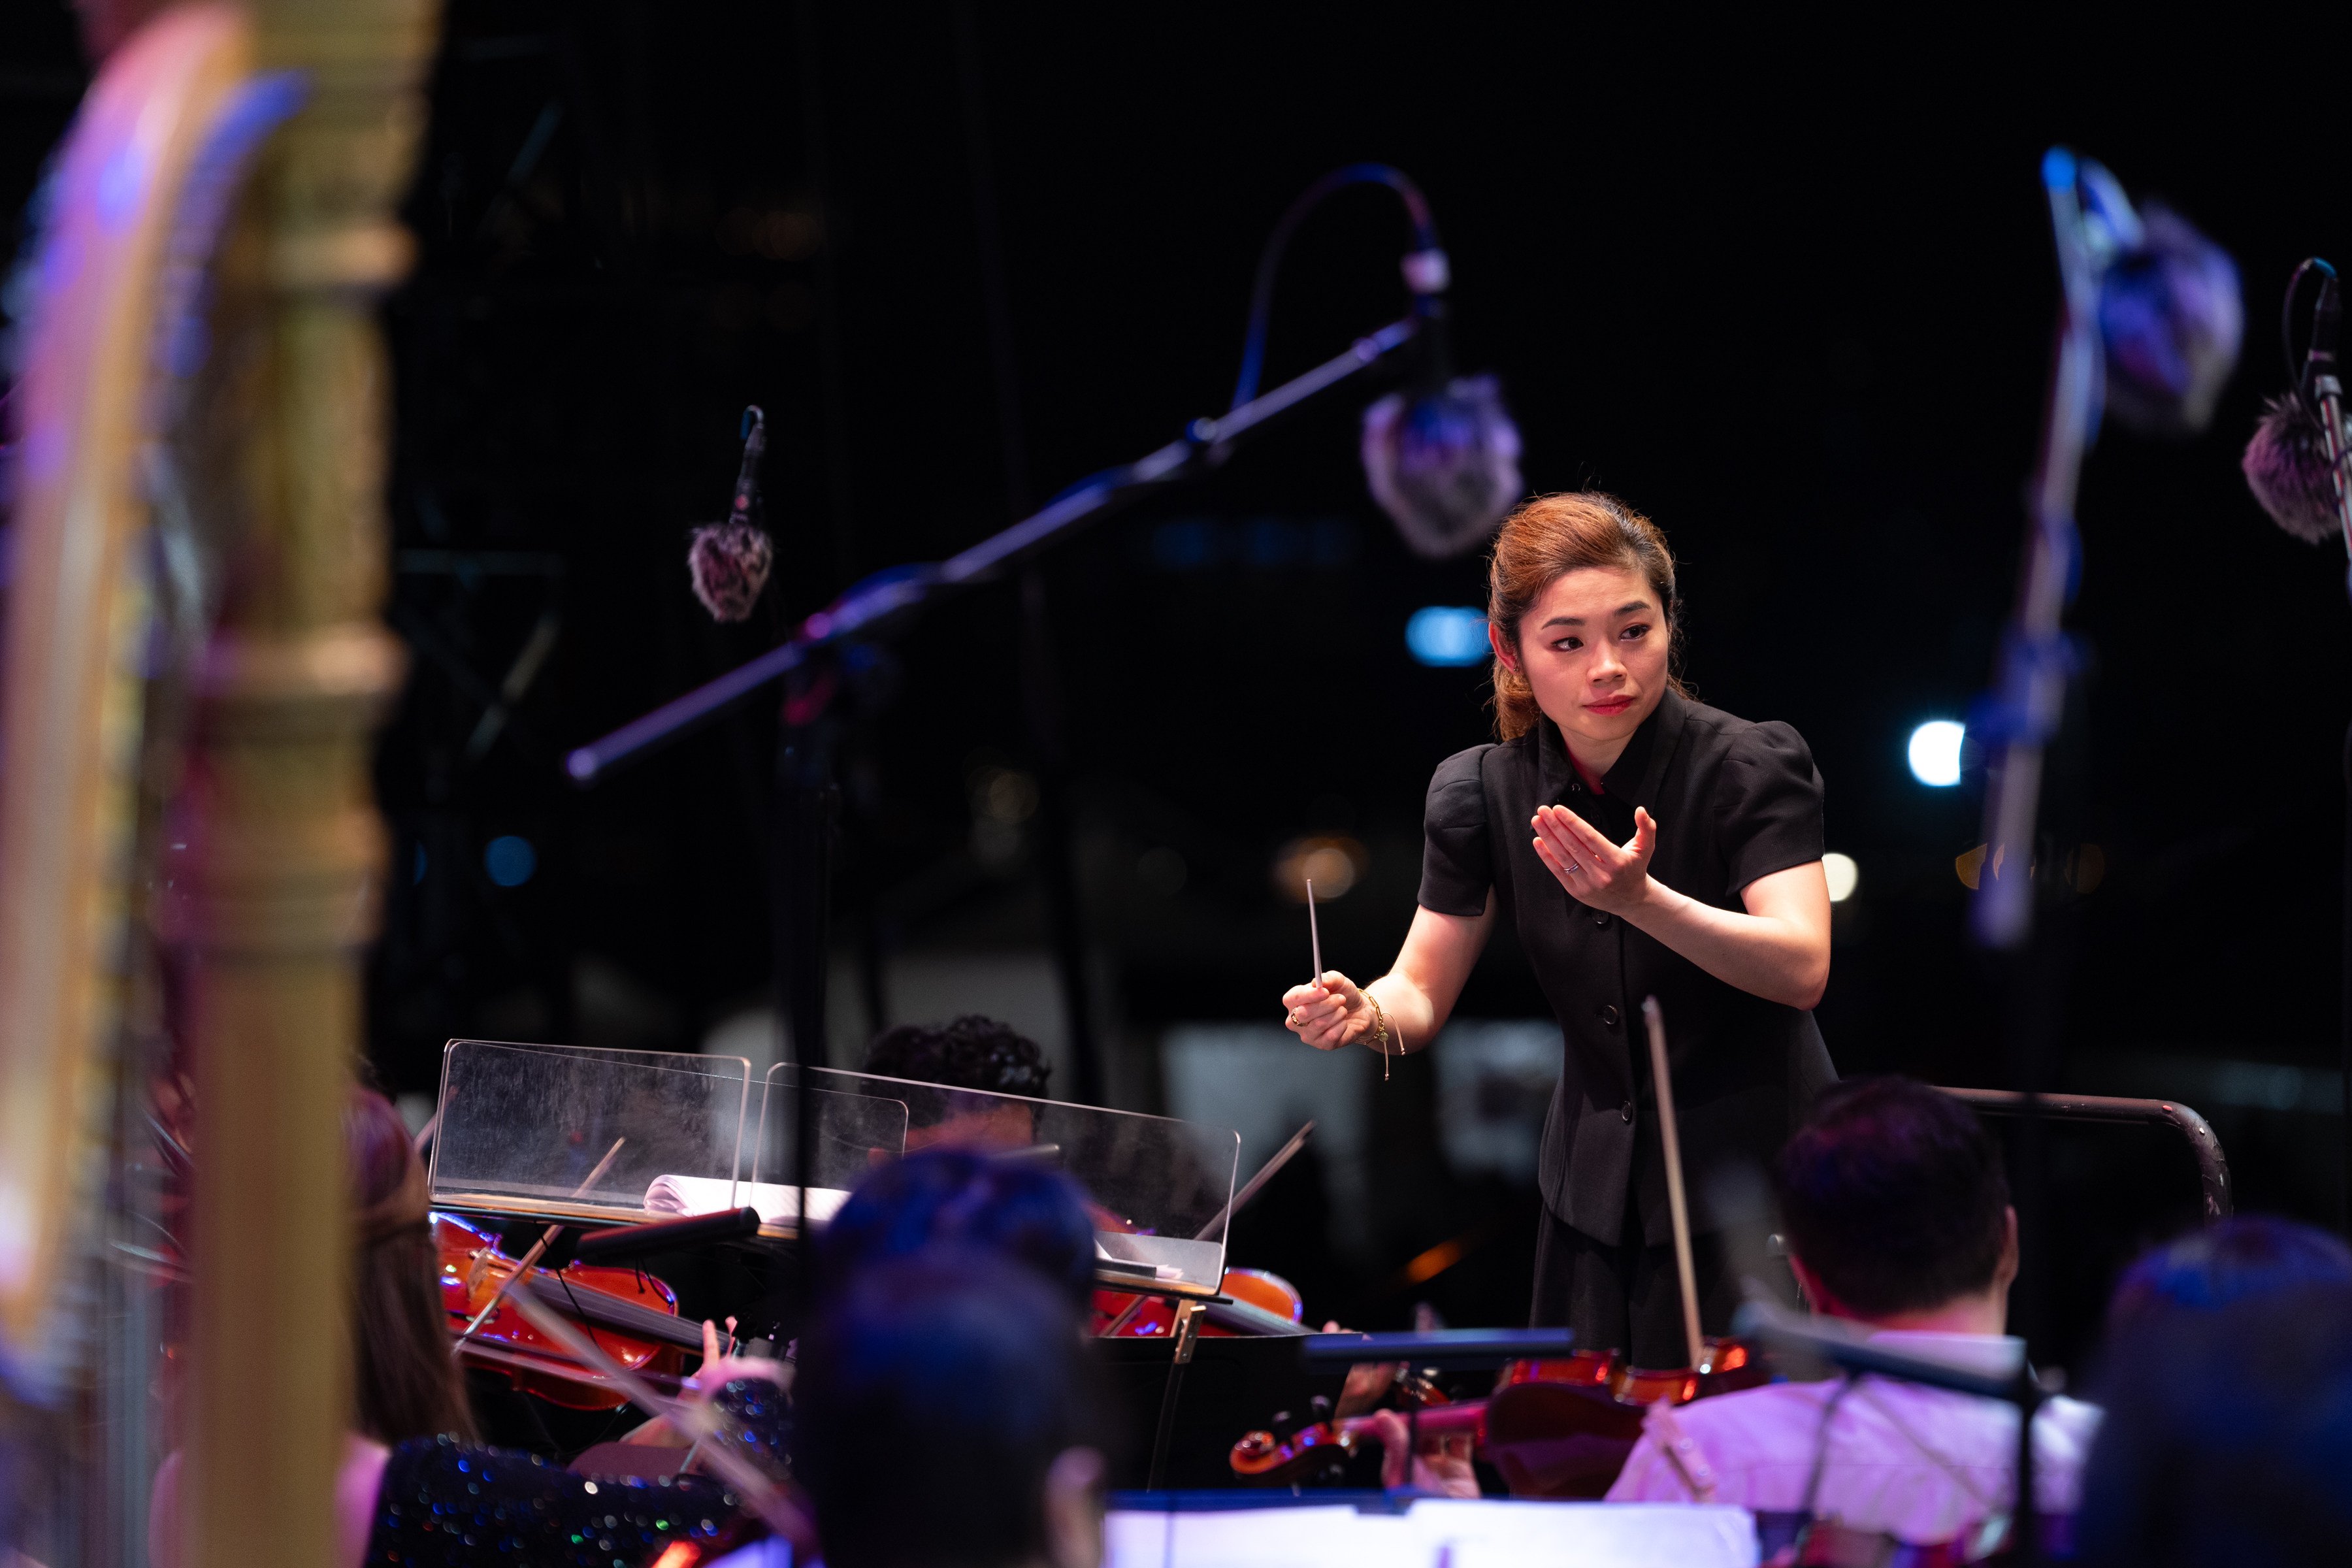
(1425, 268)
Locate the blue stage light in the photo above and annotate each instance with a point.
(1447, 636)
(510, 860)
(1935, 752)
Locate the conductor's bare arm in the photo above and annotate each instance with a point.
(1417, 995)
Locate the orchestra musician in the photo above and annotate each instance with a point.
(952, 1415)
(2227, 1378)
(964, 1201)
(972, 1052)
(415, 1489)
(1640, 844)
(1897, 1218)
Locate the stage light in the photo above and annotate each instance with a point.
(1447, 636)
(1935, 752)
(510, 860)
(1843, 874)
(1333, 862)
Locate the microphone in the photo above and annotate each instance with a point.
(729, 562)
(2293, 469)
(1442, 458)
(2171, 319)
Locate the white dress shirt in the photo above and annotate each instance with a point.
(1920, 1464)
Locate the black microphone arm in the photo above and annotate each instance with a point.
(2320, 386)
(888, 599)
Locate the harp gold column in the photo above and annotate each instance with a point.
(275, 892)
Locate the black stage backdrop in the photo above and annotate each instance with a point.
(1789, 292)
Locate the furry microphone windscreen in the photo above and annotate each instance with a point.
(730, 561)
(1444, 465)
(2286, 467)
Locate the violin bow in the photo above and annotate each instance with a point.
(1677, 1204)
(1249, 1189)
(425, 1133)
(697, 1421)
(524, 1264)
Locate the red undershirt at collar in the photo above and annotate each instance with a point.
(1591, 780)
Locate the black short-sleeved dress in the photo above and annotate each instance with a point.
(1734, 801)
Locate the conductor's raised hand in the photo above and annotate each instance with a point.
(1328, 1013)
(1611, 877)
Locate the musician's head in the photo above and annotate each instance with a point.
(1580, 611)
(2227, 1433)
(1895, 1209)
(970, 1053)
(954, 1198)
(2214, 1264)
(948, 1415)
(406, 1384)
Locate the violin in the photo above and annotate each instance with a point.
(1558, 1428)
(1259, 1302)
(632, 1315)
(1555, 1429)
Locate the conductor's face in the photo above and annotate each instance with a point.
(1593, 647)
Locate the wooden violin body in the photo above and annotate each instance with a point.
(633, 1316)
(1262, 1303)
(1554, 1428)
(1558, 1430)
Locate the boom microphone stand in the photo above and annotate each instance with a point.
(2322, 388)
(884, 605)
(2021, 717)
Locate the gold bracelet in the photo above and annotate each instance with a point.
(1380, 1024)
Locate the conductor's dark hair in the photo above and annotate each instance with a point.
(2215, 1265)
(969, 1052)
(959, 1199)
(1893, 1194)
(2227, 1434)
(934, 1394)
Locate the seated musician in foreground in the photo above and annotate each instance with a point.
(1897, 1217)
(2227, 1378)
(960, 1200)
(2216, 1265)
(950, 1416)
(415, 1489)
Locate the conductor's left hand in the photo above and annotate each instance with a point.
(1611, 876)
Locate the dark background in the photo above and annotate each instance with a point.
(1790, 294)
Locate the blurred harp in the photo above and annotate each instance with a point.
(192, 672)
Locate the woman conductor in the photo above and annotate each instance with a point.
(1644, 845)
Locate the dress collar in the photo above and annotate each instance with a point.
(1639, 769)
